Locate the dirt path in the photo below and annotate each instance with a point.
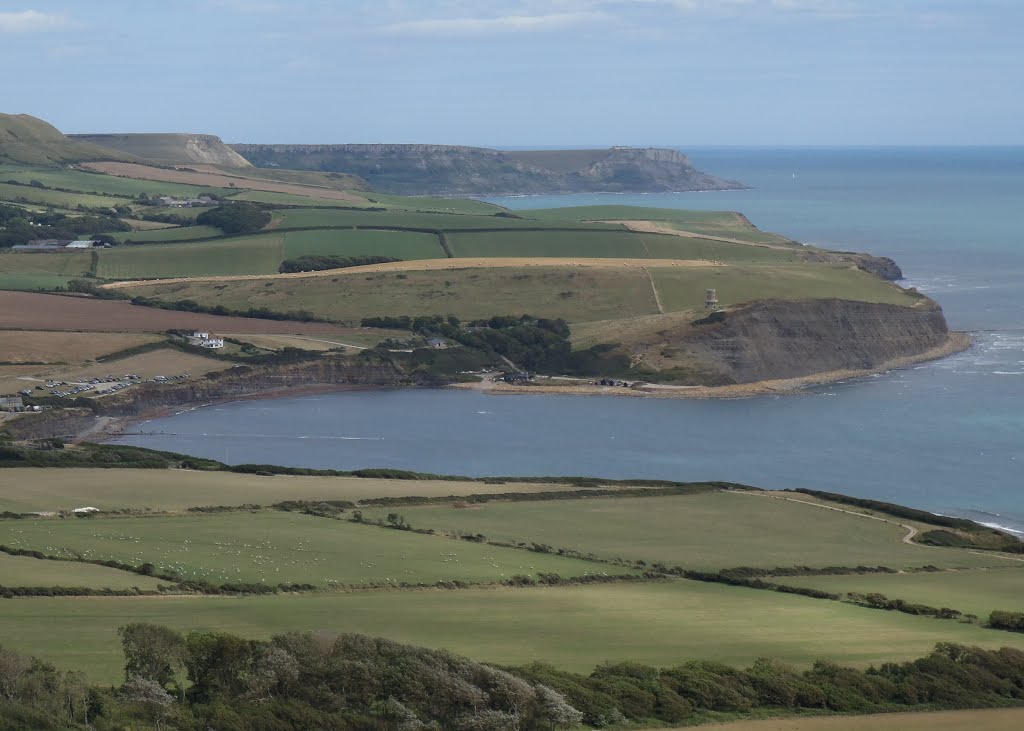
(654, 288)
(423, 265)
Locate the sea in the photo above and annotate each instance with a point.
(946, 436)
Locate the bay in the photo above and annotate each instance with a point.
(946, 436)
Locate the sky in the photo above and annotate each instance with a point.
(523, 73)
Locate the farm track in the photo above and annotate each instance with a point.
(436, 265)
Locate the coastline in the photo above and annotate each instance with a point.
(957, 342)
(114, 426)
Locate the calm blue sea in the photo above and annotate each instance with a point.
(946, 436)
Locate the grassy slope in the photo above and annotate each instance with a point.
(583, 294)
(683, 289)
(30, 140)
(25, 571)
(275, 547)
(163, 235)
(57, 489)
(258, 254)
(346, 242)
(91, 182)
(46, 271)
(975, 592)
(46, 196)
(572, 627)
(709, 531)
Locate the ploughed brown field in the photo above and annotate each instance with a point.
(31, 311)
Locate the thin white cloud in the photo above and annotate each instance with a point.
(501, 24)
(31, 21)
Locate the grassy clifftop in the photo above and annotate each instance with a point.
(27, 139)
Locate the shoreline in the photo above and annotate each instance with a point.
(115, 426)
(957, 342)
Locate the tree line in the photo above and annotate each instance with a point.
(350, 682)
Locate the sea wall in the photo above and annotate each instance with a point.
(777, 339)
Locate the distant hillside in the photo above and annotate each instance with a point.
(170, 147)
(455, 170)
(26, 139)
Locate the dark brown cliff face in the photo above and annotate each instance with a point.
(777, 339)
(456, 170)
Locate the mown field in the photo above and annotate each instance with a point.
(276, 547)
(708, 531)
(21, 346)
(17, 571)
(573, 294)
(574, 627)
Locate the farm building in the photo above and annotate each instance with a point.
(203, 340)
(10, 402)
(437, 343)
(82, 244)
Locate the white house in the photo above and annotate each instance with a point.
(203, 340)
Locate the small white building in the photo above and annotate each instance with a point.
(203, 340)
(81, 244)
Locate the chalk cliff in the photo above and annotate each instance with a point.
(456, 170)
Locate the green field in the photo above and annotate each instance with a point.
(572, 294)
(18, 571)
(308, 217)
(274, 547)
(44, 196)
(977, 591)
(584, 244)
(713, 223)
(572, 627)
(684, 289)
(426, 203)
(45, 271)
(29, 490)
(405, 245)
(163, 235)
(258, 254)
(293, 199)
(89, 182)
(707, 531)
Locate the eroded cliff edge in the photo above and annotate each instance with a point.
(784, 339)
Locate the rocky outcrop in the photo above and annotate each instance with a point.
(170, 147)
(778, 339)
(456, 170)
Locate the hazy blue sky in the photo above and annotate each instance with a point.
(523, 72)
